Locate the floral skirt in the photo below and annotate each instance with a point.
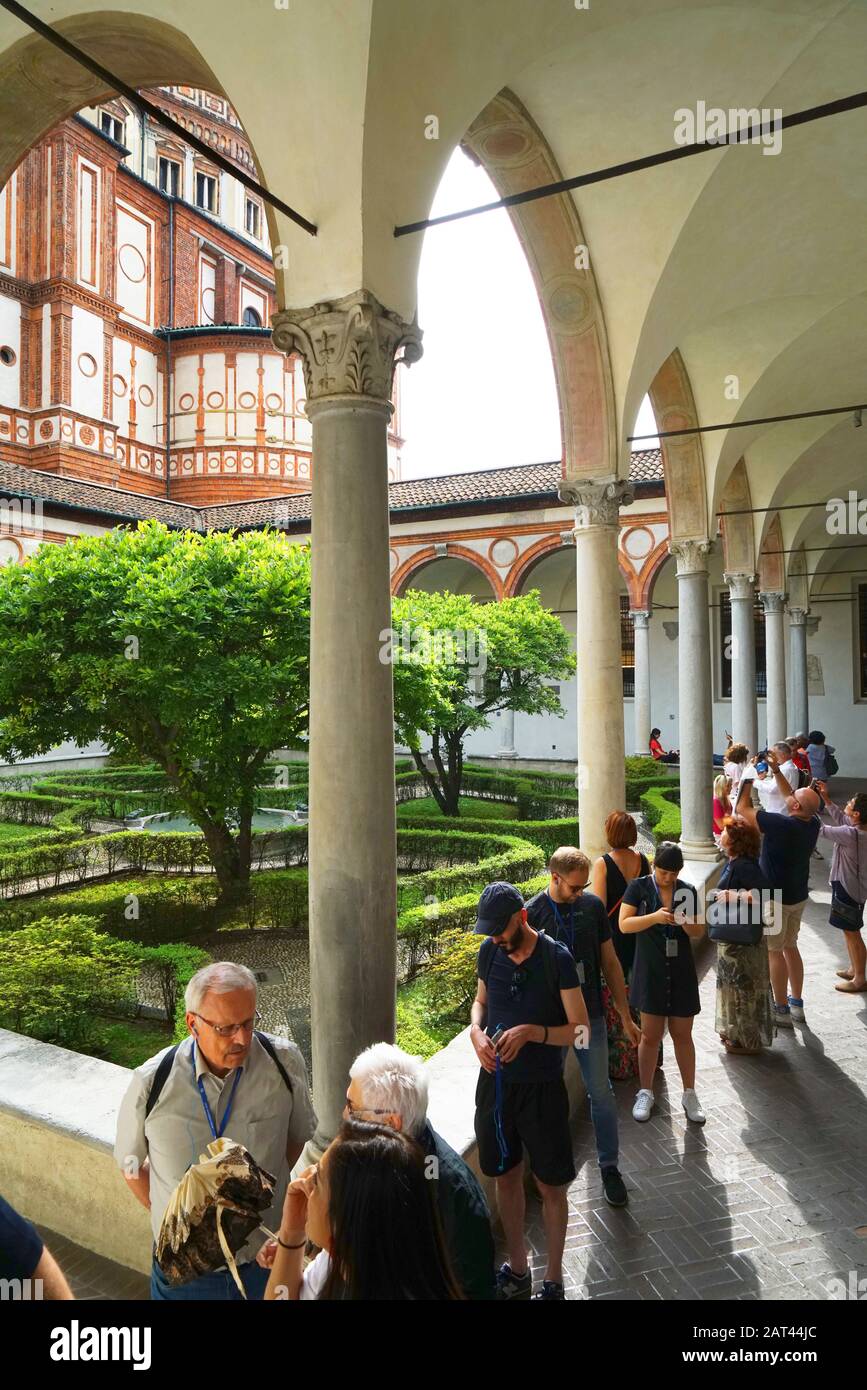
(744, 1013)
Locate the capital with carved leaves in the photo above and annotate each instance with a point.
(640, 617)
(597, 502)
(741, 586)
(797, 617)
(348, 346)
(690, 556)
(772, 600)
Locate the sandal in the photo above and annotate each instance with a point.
(848, 987)
(845, 974)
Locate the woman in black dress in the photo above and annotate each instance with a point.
(612, 873)
(662, 910)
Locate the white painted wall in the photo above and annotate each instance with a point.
(88, 350)
(10, 336)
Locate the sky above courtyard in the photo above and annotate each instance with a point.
(483, 395)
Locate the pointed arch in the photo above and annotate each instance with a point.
(505, 140)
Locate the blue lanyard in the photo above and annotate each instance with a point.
(561, 925)
(209, 1116)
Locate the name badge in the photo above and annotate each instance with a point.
(671, 945)
(580, 967)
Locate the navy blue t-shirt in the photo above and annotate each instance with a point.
(531, 1001)
(786, 849)
(20, 1244)
(582, 926)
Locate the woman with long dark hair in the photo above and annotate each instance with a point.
(370, 1206)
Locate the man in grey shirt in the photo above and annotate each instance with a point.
(223, 1081)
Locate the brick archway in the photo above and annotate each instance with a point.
(422, 558)
(547, 546)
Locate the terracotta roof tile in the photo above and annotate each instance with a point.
(493, 484)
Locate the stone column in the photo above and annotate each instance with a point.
(349, 349)
(775, 657)
(507, 735)
(641, 621)
(601, 745)
(800, 699)
(745, 717)
(694, 699)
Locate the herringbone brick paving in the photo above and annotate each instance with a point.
(762, 1202)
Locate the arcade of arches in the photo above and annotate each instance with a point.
(730, 287)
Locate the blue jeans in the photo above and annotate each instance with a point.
(212, 1286)
(593, 1061)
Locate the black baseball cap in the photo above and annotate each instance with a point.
(498, 903)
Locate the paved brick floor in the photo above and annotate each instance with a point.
(90, 1276)
(764, 1201)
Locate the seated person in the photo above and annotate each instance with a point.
(659, 752)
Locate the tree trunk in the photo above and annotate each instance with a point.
(233, 873)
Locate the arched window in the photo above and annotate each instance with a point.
(252, 318)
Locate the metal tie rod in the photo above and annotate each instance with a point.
(634, 166)
(142, 104)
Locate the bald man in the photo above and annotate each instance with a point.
(788, 840)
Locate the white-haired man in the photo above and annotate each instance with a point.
(388, 1086)
(225, 1078)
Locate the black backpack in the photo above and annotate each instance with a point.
(161, 1075)
(549, 963)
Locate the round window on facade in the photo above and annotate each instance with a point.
(252, 317)
(8, 356)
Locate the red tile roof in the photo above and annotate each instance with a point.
(492, 485)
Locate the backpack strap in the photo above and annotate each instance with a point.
(161, 1076)
(272, 1053)
(486, 964)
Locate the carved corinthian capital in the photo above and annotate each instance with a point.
(691, 556)
(597, 502)
(772, 600)
(349, 346)
(741, 586)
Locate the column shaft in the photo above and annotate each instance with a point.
(641, 706)
(601, 743)
(775, 658)
(800, 698)
(745, 720)
(507, 735)
(694, 700)
(352, 851)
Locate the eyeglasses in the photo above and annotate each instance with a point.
(227, 1030)
(353, 1109)
(519, 979)
(574, 888)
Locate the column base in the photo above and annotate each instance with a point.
(705, 850)
(507, 752)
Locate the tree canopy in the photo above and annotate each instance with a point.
(190, 650)
(456, 662)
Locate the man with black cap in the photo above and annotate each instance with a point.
(528, 1010)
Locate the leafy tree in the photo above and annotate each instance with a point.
(457, 661)
(58, 974)
(186, 650)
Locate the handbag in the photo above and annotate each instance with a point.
(733, 924)
(832, 767)
(850, 913)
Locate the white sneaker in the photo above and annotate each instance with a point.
(643, 1106)
(796, 1010)
(783, 1016)
(694, 1112)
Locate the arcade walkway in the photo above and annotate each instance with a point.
(765, 1202)
(769, 1199)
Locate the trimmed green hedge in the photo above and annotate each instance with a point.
(661, 807)
(547, 835)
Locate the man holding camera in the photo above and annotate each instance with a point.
(528, 1010)
(788, 841)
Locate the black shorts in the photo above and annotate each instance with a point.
(536, 1117)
